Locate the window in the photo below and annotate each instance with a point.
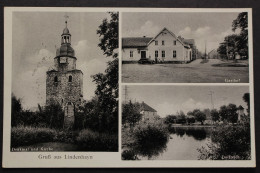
(131, 53)
(174, 54)
(174, 42)
(156, 42)
(55, 79)
(163, 54)
(70, 78)
(163, 42)
(156, 54)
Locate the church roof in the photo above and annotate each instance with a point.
(145, 107)
(66, 31)
(129, 42)
(65, 50)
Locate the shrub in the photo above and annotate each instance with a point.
(150, 132)
(150, 139)
(129, 155)
(21, 135)
(230, 142)
(66, 136)
(93, 141)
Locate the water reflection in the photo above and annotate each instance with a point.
(147, 150)
(183, 144)
(198, 133)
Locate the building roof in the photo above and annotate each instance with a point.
(189, 41)
(240, 107)
(171, 34)
(145, 107)
(65, 50)
(66, 31)
(129, 42)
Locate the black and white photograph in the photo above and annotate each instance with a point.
(186, 123)
(185, 47)
(110, 87)
(64, 81)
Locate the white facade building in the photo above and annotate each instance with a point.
(164, 47)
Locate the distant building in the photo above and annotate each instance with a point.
(148, 113)
(164, 47)
(240, 112)
(191, 43)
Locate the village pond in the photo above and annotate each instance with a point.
(183, 144)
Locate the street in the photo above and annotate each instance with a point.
(194, 72)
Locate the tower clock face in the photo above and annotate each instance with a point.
(63, 60)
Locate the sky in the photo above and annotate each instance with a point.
(209, 28)
(170, 99)
(37, 35)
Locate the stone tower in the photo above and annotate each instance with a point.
(64, 83)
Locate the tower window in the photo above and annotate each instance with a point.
(55, 79)
(131, 53)
(70, 78)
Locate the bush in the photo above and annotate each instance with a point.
(230, 142)
(94, 141)
(150, 139)
(129, 155)
(21, 135)
(150, 133)
(66, 136)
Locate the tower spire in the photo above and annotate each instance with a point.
(66, 19)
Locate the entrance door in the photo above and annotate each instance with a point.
(143, 54)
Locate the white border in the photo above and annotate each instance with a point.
(110, 159)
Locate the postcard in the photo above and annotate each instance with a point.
(120, 87)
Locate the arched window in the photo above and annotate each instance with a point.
(70, 78)
(55, 79)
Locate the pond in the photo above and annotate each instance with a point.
(183, 144)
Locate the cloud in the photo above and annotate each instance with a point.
(43, 57)
(31, 87)
(206, 35)
(31, 84)
(91, 68)
(86, 51)
(191, 104)
(167, 108)
(148, 29)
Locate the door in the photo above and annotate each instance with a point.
(143, 54)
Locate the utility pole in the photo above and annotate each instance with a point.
(211, 96)
(205, 49)
(227, 50)
(125, 89)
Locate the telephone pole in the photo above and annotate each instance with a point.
(211, 96)
(125, 93)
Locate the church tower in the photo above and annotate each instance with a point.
(64, 83)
